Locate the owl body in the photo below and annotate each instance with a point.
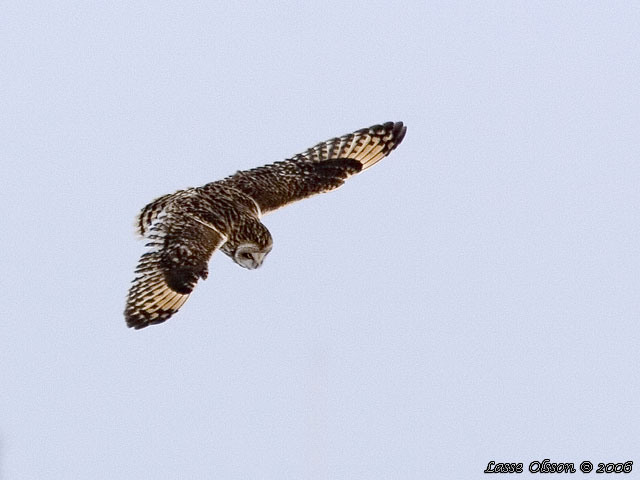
(183, 229)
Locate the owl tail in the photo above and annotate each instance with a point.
(149, 214)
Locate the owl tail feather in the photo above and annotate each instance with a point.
(149, 214)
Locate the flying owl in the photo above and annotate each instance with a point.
(183, 229)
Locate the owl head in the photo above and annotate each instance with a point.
(251, 246)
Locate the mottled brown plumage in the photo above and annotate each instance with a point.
(186, 227)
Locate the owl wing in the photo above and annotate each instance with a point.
(320, 169)
(180, 246)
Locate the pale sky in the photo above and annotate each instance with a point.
(473, 297)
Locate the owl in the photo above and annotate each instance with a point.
(184, 228)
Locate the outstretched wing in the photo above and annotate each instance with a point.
(320, 169)
(180, 248)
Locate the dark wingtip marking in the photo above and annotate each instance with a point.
(399, 131)
(140, 320)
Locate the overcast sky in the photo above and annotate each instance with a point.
(473, 297)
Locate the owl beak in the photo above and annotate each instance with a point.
(258, 258)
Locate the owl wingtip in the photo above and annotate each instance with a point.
(138, 322)
(399, 131)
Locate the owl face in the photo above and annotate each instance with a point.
(250, 255)
(250, 245)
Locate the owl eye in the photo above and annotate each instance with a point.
(246, 256)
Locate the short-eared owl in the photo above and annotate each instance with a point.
(186, 227)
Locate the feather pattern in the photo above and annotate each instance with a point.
(319, 169)
(180, 246)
